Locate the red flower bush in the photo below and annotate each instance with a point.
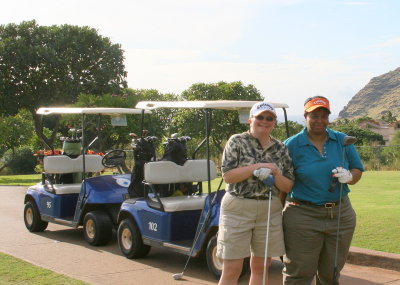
(41, 153)
(45, 152)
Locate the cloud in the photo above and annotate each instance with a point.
(170, 45)
(289, 81)
(394, 42)
(137, 23)
(147, 24)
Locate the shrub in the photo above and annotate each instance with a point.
(20, 162)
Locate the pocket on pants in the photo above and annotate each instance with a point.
(231, 204)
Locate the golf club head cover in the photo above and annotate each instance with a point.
(262, 173)
(343, 175)
(269, 181)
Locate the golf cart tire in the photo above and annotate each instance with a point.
(130, 240)
(32, 219)
(214, 263)
(97, 228)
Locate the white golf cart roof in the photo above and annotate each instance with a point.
(213, 104)
(102, 111)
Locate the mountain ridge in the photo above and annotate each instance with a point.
(380, 95)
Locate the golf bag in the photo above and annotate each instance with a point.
(143, 151)
(72, 146)
(175, 150)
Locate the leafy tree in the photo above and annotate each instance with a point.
(114, 137)
(52, 65)
(158, 122)
(15, 131)
(361, 119)
(388, 117)
(36, 144)
(391, 154)
(364, 136)
(344, 121)
(224, 123)
(21, 161)
(279, 131)
(109, 137)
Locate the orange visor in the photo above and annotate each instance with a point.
(316, 103)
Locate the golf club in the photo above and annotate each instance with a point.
(178, 276)
(269, 182)
(347, 140)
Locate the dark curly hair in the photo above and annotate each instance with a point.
(314, 97)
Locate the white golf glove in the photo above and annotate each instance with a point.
(262, 173)
(343, 175)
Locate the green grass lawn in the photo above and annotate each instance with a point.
(375, 199)
(17, 271)
(23, 180)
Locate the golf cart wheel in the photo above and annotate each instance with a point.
(32, 218)
(97, 228)
(130, 240)
(214, 263)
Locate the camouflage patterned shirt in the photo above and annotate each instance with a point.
(244, 149)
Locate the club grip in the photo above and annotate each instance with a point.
(269, 181)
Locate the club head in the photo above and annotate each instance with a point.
(348, 140)
(269, 181)
(177, 276)
(334, 181)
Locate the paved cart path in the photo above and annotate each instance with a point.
(64, 250)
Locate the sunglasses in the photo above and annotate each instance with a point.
(318, 117)
(267, 118)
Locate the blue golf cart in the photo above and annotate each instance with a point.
(72, 192)
(186, 223)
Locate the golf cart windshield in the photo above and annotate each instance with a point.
(242, 107)
(77, 144)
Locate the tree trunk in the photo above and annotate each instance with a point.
(4, 166)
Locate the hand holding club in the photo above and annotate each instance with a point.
(264, 174)
(343, 175)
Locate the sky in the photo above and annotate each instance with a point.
(288, 49)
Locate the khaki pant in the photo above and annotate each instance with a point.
(310, 241)
(243, 227)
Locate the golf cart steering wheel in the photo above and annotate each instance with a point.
(114, 158)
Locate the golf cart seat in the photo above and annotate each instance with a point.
(63, 164)
(162, 172)
(62, 189)
(59, 164)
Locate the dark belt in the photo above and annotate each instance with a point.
(257, 197)
(308, 203)
(251, 197)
